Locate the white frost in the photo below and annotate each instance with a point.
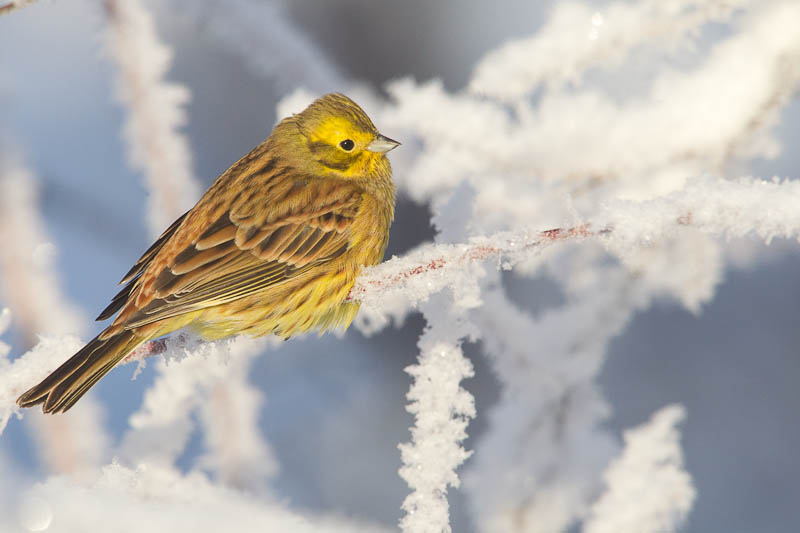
(442, 410)
(577, 38)
(30, 368)
(31, 288)
(121, 499)
(29, 281)
(156, 112)
(647, 488)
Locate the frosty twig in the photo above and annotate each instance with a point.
(156, 112)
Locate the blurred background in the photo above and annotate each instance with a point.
(335, 406)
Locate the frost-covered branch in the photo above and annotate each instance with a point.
(156, 112)
(647, 488)
(714, 206)
(719, 112)
(431, 268)
(546, 427)
(564, 50)
(29, 282)
(32, 367)
(442, 410)
(31, 288)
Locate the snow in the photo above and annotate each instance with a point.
(123, 499)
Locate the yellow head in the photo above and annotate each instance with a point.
(341, 137)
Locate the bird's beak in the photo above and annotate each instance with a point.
(382, 144)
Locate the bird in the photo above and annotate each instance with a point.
(272, 247)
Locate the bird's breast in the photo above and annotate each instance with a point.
(370, 231)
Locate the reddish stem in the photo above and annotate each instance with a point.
(484, 251)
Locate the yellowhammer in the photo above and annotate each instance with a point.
(273, 246)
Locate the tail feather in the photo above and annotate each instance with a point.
(65, 385)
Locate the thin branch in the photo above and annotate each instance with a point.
(156, 111)
(29, 282)
(500, 246)
(651, 462)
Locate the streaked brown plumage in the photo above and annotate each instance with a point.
(273, 246)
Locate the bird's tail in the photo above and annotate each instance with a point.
(66, 384)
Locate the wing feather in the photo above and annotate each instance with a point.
(221, 231)
(242, 253)
(135, 272)
(151, 252)
(191, 258)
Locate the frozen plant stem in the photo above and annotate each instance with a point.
(30, 286)
(441, 256)
(650, 471)
(442, 410)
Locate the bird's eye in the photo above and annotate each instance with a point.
(347, 145)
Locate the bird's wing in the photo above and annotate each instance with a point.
(143, 261)
(137, 269)
(257, 242)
